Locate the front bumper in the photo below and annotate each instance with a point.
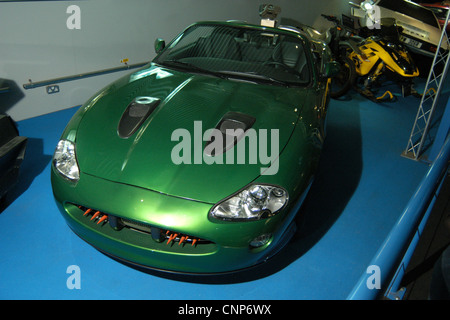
(219, 247)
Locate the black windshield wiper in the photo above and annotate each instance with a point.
(191, 67)
(254, 75)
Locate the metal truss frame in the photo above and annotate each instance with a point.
(419, 138)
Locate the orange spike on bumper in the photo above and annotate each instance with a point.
(95, 215)
(172, 237)
(103, 218)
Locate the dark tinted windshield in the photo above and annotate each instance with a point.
(389, 30)
(239, 52)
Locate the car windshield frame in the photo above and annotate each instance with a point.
(249, 53)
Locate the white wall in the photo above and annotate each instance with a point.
(36, 44)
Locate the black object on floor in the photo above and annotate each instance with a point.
(12, 152)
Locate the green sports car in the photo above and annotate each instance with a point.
(199, 161)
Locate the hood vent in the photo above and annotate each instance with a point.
(136, 113)
(231, 121)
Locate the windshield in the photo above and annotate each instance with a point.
(389, 30)
(239, 52)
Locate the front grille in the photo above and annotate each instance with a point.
(169, 237)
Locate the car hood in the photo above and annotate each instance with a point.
(146, 158)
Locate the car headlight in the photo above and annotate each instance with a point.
(252, 203)
(65, 160)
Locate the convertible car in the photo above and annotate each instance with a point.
(199, 161)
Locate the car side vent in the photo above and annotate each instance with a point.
(136, 113)
(233, 127)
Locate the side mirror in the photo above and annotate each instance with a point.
(331, 69)
(159, 45)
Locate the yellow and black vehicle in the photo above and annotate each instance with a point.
(382, 54)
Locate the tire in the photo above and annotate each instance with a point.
(342, 83)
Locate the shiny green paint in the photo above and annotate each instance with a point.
(135, 178)
(144, 159)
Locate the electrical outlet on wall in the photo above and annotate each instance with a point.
(52, 89)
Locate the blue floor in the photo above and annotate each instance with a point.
(361, 189)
